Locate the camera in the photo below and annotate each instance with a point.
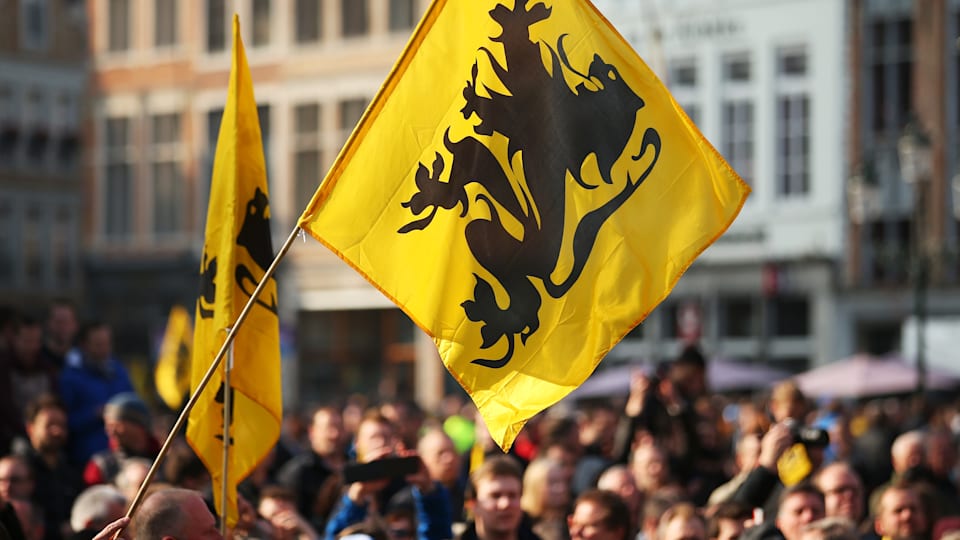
(810, 437)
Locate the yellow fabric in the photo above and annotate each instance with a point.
(369, 209)
(236, 253)
(172, 374)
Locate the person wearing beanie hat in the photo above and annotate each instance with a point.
(126, 421)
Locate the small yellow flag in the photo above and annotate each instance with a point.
(172, 374)
(236, 253)
(527, 191)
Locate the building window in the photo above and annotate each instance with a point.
(165, 23)
(9, 125)
(792, 123)
(34, 24)
(118, 184)
(683, 74)
(38, 136)
(308, 158)
(355, 21)
(791, 316)
(63, 247)
(739, 317)
(261, 23)
(889, 54)
(737, 136)
(737, 68)
(683, 84)
(736, 115)
(216, 26)
(33, 246)
(118, 29)
(165, 168)
(263, 115)
(67, 145)
(350, 112)
(401, 15)
(308, 21)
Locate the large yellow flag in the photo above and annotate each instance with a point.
(527, 191)
(236, 253)
(172, 374)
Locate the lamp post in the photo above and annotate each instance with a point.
(914, 150)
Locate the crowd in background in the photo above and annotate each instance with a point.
(669, 461)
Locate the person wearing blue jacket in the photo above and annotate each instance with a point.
(85, 389)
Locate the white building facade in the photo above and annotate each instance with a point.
(767, 83)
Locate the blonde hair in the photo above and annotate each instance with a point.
(533, 498)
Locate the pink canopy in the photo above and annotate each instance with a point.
(722, 376)
(863, 375)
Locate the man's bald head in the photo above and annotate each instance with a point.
(179, 514)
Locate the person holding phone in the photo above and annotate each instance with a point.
(379, 480)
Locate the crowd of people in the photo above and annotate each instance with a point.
(669, 461)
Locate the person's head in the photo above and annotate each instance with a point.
(727, 521)
(45, 421)
(681, 522)
(830, 528)
(545, 488)
(650, 467)
(497, 488)
(842, 491)
(941, 452)
(907, 451)
(407, 418)
(16, 479)
(800, 505)
(174, 514)
(96, 507)
(276, 504)
(787, 401)
(62, 324)
(27, 342)
(400, 524)
(597, 427)
(688, 373)
(126, 420)
(376, 437)
(131, 475)
(655, 506)
(96, 341)
(901, 514)
(619, 480)
(183, 468)
(599, 515)
(440, 456)
(326, 433)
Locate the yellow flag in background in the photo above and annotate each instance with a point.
(172, 374)
(527, 191)
(236, 253)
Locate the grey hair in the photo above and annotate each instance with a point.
(92, 507)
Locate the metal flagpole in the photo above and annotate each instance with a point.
(227, 440)
(178, 425)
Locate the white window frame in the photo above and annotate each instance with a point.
(798, 170)
(166, 152)
(739, 94)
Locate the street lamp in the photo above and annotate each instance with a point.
(915, 153)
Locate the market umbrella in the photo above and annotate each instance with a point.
(864, 375)
(723, 375)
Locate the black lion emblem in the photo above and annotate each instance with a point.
(555, 128)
